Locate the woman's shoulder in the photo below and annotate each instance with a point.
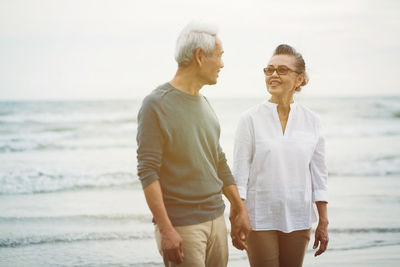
(307, 112)
(253, 110)
(248, 115)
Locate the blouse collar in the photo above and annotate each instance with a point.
(274, 105)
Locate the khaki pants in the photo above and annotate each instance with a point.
(277, 249)
(204, 244)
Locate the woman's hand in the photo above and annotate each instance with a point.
(321, 233)
(240, 223)
(321, 237)
(240, 228)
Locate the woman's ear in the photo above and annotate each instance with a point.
(299, 79)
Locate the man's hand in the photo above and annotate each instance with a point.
(240, 223)
(171, 245)
(321, 238)
(240, 228)
(171, 241)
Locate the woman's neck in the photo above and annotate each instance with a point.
(283, 104)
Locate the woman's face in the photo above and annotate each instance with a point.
(283, 84)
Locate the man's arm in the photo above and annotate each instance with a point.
(171, 242)
(150, 143)
(240, 223)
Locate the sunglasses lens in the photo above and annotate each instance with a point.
(282, 70)
(269, 71)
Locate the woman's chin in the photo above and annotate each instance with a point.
(274, 91)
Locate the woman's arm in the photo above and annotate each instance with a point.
(319, 179)
(321, 233)
(242, 155)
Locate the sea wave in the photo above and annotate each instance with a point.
(356, 107)
(6, 242)
(366, 166)
(364, 230)
(73, 125)
(59, 147)
(67, 112)
(36, 182)
(64, 137)
(47, 179)
(66, 119)
(356, 130)
(363, 238)
(141, 218)
(371, 244)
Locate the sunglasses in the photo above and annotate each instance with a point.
(281, 70)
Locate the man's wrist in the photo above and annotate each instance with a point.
(165, 226)
(238, 206)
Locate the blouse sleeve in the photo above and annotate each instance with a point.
(319, 172)
(242, 155)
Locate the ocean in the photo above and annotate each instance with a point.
(70, 196)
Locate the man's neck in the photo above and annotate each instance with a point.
(187, 81)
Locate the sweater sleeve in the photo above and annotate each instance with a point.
(224, 172)
(150, 143)
(242, 155)
(319, 172)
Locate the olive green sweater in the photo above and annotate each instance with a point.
(178, 143)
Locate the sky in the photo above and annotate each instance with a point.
(51, 49)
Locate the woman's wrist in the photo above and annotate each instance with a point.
(323, 221)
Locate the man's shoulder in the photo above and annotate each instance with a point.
(156, 96)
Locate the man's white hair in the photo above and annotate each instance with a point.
(195, 35)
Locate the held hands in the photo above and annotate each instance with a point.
(171, 245)
(321, 237)
(241, 228)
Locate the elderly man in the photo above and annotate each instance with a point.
(181, 165)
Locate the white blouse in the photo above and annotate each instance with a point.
(280, 175)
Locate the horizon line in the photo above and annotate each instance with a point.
(209, 97)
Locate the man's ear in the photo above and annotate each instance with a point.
(198, 56)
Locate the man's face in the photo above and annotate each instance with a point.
(212, 64)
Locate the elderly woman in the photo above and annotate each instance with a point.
(279, 168)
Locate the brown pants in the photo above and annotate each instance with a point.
(277, 249)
